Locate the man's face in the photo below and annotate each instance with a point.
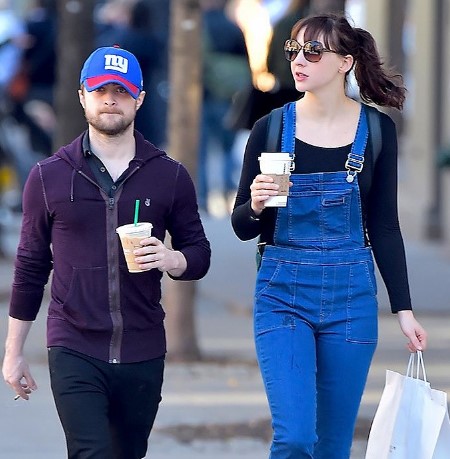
(110, 109)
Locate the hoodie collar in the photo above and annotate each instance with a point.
(76, 152)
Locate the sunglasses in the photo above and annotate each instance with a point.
(312, 50)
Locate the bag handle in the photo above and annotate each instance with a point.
(420, 365)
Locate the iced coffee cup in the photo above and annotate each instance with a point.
(278, 166)
(130, 237)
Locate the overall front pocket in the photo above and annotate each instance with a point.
(319, 216)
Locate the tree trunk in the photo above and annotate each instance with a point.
(396, 18)
(183, 138)
(327, 6)
(75, 43)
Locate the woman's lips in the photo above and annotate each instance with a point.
(299, 76)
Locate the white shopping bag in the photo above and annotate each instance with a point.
(412, 420)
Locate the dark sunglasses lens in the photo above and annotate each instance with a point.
(291, 50)
(290, 54)
(312, 57)
(313, 50)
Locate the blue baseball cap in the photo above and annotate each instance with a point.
(112, 64)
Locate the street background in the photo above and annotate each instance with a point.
(217, 407)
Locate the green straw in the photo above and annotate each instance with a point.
(136, 212)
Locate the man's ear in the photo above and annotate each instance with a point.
(81, 97)
(140, 99)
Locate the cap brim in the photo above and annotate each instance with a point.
(96, 82)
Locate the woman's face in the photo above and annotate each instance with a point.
(312, 76)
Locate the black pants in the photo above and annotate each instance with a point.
(107, 410)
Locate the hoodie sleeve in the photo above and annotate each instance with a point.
(186, 229)
(34, 258)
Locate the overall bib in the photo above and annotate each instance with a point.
(315, 315)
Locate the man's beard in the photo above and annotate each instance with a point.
(109, 128)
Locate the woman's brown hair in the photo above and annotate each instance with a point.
(376, 83)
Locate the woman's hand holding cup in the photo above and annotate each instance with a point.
(262, 188)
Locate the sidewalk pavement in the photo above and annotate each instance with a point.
(216, 408)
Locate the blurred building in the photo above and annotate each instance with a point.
(425, 181)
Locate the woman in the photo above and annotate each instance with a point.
(315, 317)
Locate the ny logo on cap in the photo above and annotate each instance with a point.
(118, 63)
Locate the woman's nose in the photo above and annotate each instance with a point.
(300, 58)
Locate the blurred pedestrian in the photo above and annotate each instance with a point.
(139, 27)
(315, 316)
(225, 70)
(284, 90)
(138, 37)
(15, 149)
(40, 53)
(111, 19)
(34, 106)
(105, 330)
(12, 32)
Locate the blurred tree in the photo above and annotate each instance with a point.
(183, 141)
(327, 6)
(75, 43)
(396, 52)
(158, 84)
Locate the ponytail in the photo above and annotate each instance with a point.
(377, 84)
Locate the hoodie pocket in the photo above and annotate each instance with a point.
(86, 304)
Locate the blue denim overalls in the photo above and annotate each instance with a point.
(315, 312)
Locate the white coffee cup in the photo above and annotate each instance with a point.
(130, 237)
(277, 165)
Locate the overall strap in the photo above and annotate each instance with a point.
(355, 159)
(288, 135)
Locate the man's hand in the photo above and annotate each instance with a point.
(17, 375)
(16, 372)
(154, 254)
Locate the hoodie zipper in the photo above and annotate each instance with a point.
(112, 244)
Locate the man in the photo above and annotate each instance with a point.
(105, 332)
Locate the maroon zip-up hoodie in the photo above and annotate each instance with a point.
(97, 307)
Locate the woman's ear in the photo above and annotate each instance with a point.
(346, 64)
